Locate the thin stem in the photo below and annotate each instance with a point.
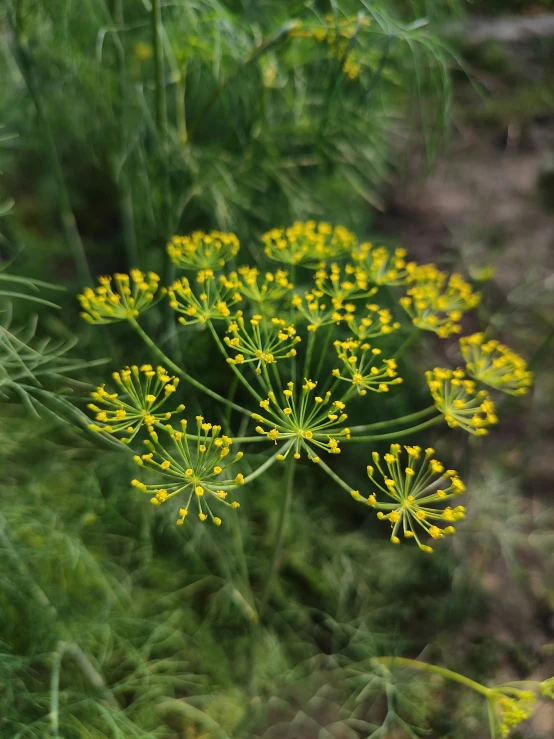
(243, 565)
(195, 383)
(334, 476)
(415, 664)
(280, 536)
(396, 434)
(390, 422)
(161, 103)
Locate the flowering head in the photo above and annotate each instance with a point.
(308, 243)
(121, 297)
(377, 322)
(203, 250)
(436, 302)
(460, 403)
(513, 707)
(195, 466)
(260, 341)
(319, 313)
(363, 367)
(144, 392)
(211, 299)
(350, 283)
(410, 491)
(495, 364)
(380, 265)
(273, 286)
(303, 420)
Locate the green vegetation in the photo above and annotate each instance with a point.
(125, 122)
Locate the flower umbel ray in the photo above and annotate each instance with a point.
(145, 391)
(194, 468)
(410, 490)
(460, 403)
(262, 342)
(120, 297)
(203, 250)
(306, 419)
(495, 364)
(363, 368)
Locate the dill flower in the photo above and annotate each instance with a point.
(415, 490)
(513, 708)
(265, 342)
(352, 285)
(121, 297)
(363, 367)
(436, 302)
(145, 391)
(212, 301)
(193, 465)
(319, 314)
(377, 322)
(203, 250)
(308, 243)
(273, 286)
(460, 403)
(495, 364)
(381, 266)
(303, 419)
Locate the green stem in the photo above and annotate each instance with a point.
(397, 434)
(280, 536)
(334, 476)
(161, 103)
(415, 664)
(243, 565)
(390, 422)
(195, 383)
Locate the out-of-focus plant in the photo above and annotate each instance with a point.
(184, 115)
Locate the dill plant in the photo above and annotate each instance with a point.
(307, 350)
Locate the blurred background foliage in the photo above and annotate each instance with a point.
(124, 122)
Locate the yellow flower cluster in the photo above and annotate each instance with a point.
(460, 403)
(308, 243)
(436, 301)
(145, 391)
(320, 314)
(264, 342)
(303, 420)
(273, 286)
(363, 367)
(353, 285)
(213, 301)
(495, 364)
(377, 322)
(514, 709)
(194, 465)
(415, 490)
(121, 297)
(203, 250)
(382, 267)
